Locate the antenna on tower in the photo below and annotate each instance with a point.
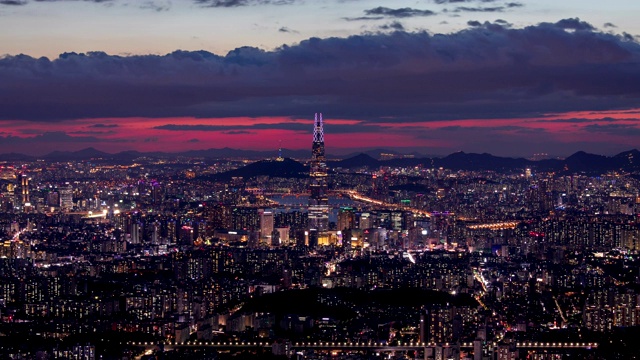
(280, 158)
(318, 129)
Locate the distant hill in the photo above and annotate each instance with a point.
(84, 154)
(580, 162)
(16, 157)
(228, 153)
(92, 154)
(287, 169)
(376, 153)
(629, 158)
(360, 160)
(464, 161)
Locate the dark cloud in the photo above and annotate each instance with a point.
(395, 25)
(94, 1)
(156, 6)
(202, 127)
(479, 9)
(236, 3)
(609, 25)
(193, 141)
(503, 23)
(363, 18)
(285, 29)
(25, 2)
(516, 140)
(583, 121)
(482, 72)
(487, 9)
(294, 126)
(398, 13)
(55, 137)
(574, 24)
(498, 24)
(94, 132)
(30, 131)
(614, 129)
(100, 125)
(486, 129)
(461, 1)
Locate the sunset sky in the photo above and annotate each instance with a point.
(434, 76)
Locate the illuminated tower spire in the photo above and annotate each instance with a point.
(318, 199)
(318, 130)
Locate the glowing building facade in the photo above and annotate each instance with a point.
(318, 199)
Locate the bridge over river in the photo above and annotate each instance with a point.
(365, 346)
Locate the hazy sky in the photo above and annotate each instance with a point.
(507, 77)
(51, 27)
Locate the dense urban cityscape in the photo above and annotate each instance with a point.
(314, 258)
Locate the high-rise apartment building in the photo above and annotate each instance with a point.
(266, 226)
(66, 197)
(24, 189)
(346, 219)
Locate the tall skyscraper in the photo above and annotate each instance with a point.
(24, 187)
(66, 197)
(266, 226)
(135, 233)
(318, 199)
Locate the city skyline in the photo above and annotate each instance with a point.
(319, 179)
(185, 257)
(435, 77)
